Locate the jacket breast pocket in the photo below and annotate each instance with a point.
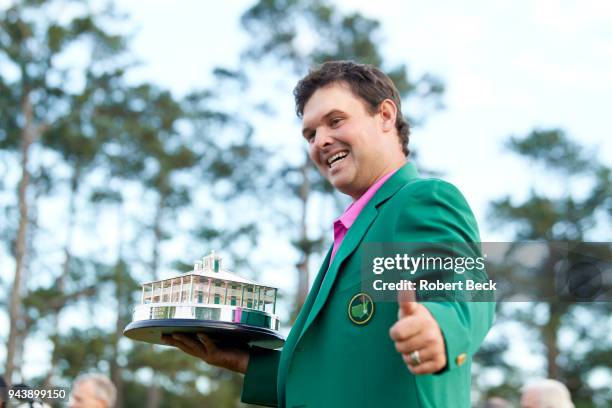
(349, 283)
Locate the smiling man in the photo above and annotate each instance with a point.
(342, 136)
(346, 349)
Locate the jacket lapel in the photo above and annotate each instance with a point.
(354, 237)
(296, 330)
(307, 307)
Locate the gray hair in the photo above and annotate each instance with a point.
(551, 393)
(105, 390)
(496, 402)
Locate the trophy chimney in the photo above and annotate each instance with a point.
(211, 262)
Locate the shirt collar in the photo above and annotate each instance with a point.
(352, 212)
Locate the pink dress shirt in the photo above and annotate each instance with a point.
(342, 224)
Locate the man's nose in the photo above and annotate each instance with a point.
(323, 138)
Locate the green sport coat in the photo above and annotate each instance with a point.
(329, 361)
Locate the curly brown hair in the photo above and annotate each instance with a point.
(365, 81)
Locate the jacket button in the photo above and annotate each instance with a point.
(461, 359)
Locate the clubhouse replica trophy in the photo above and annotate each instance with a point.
(231, 310)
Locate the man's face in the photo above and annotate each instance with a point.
(84, 396)
(350, 147)
(530, 399)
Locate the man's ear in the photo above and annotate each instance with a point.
(388, 114)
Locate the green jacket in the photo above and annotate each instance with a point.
(329, 361)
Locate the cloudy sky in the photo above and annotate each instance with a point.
(509, 67)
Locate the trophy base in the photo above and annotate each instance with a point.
(223, 333)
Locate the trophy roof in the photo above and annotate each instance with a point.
(210, 267)
(223, 275)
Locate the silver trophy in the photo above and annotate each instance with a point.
(231, 310)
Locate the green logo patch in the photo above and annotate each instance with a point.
(361, 309)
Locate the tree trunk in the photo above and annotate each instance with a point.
(551, 330)
(302, 266)
(61, 281)
(157, 236)
(28, 137)
(153, 395)
(115, 369)
(19, 351)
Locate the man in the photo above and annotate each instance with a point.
(346, 350)
(546, 393)
(93, 391)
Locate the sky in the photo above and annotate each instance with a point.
(509, 67)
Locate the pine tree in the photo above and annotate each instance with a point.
(567, 219)
(279, 30)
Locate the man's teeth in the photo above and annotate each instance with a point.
(336, 157)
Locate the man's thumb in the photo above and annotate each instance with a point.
(407, 302)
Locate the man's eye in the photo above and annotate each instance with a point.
(310, 137)
(335, 122)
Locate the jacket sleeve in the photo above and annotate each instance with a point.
(261, 377)
(434, 211)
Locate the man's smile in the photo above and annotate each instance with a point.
(335, 158)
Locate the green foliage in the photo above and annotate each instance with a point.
(82, 351)
(105, 138)
(566, 218)
(572, 219)
(297, 35)
(553, 149)
(106, 141)
(303, 33)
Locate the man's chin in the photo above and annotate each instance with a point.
(342, 186)
(342, 181)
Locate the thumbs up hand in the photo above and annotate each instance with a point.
(406, 300)
(417, 336)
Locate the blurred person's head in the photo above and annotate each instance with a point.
(546, 393)
(25, 401)
(496, 402)
(21, 395)
(3, 392)
(93, 391)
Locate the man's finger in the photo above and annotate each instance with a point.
(425, 355)
(428, 367)
(180, 345)
(207, 342)
(405, 328)
(407, 302)
(190, 342)
(413, 343)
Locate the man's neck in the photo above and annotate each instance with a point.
(391, 167)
